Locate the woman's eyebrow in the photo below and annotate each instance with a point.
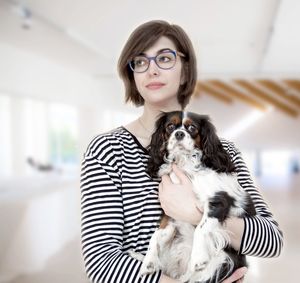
(163, 50)
(157, 52)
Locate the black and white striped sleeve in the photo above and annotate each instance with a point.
(102, 219)
(262, 236)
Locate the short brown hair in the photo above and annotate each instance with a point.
(144, 37)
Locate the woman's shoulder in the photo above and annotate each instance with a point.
(229, 146)
(106, 141)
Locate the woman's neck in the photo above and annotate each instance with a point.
(150, 115)
(144, 126)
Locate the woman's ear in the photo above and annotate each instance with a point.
(157, 147)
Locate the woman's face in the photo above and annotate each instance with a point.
(157, 86)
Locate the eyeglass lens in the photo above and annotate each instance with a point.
(165, 60)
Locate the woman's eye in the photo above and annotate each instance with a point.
(164, 59)
(139, 62)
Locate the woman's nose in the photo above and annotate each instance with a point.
(153, 68)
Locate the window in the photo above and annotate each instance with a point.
(44, 133)
(276, 163)
(5, 136)
(63, 135)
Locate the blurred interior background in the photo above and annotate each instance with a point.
(59, 88)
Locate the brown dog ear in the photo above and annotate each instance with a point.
(157, 148)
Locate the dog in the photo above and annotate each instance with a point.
(182, 251)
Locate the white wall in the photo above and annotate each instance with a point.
(26, 74)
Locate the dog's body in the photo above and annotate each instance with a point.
(180, 250)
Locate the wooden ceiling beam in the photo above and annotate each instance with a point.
(295, 84)
(254, 90)
(280, 91)
(204, 87)
(233, 92)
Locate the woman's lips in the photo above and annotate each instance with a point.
(154, 85)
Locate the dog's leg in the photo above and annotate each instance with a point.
(200, 253)
(199, 256)
(157, 243)
(165, 169)
(150, 262)
(210, 238)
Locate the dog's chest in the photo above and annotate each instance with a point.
(206, 183)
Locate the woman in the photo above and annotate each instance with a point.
(121, 206)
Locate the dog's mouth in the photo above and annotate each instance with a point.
(179, 145)
(181, 149)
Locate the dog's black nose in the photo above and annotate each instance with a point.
(179, 135)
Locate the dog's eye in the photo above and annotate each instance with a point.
(170, 128)
(191, 128)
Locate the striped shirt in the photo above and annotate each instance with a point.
(120, 209)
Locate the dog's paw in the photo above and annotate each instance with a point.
(136, 255)
(149, 266)
(185, 277)
(199, 266)
(199, 261)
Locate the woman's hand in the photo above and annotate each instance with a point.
(237, 275)
(178, 200)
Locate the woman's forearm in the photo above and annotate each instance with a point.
(235, 226)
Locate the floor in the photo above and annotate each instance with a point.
(67, 266)
(286, 208)
(64, 267)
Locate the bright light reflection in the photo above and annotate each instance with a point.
(245, 123)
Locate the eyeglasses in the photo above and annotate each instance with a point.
(165, 60)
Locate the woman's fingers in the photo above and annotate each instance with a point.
(166, 180)
(238, 274)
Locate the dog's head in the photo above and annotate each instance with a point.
(182, 133)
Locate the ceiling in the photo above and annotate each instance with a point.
(247, 52)
(232, 37)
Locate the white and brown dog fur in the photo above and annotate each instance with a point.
(181, 250)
